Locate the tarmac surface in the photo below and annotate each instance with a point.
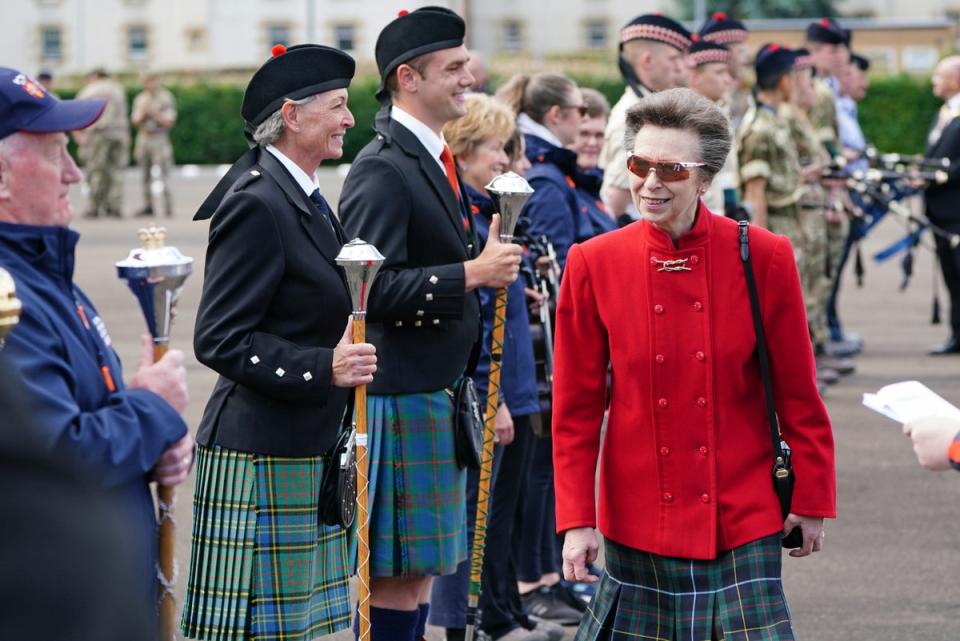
(890, 569)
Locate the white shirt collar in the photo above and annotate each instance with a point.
(433, 143)
(528, 125)
(306, 181)
(954, 103)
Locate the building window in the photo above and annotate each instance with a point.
(596, 34)
(51, 43)
(344, 37)
(512, 35)
(196, 38)
(278, 34)
(137, 43)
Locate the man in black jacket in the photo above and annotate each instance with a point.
(943, 201)
(403, 196)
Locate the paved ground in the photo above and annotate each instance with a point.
(890, 568)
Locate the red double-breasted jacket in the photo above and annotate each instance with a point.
(687, 454)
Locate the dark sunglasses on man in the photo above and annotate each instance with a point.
(667, 170)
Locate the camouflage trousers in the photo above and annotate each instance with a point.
(807, 231)
(105, 160)
(154, 154)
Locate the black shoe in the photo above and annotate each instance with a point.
(842, 366)
(144, 213)
(543, 603)
(952, 346)
(568, 596)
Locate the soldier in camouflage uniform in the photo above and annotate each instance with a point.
(105, 146)
(651, 59)
(811, 235)
(769, 161)
(154, 114)
(829, 45)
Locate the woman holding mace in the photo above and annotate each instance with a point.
(273, 322)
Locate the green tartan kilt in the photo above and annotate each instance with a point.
(736, 597)
(418, 514)
(261, 565)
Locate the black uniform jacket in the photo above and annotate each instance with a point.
(274, 305)
(398, 198)
(943, 201)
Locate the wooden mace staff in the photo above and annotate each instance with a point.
(360, 262)
(155, 274)
(509, 192)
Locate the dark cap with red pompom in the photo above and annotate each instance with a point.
(724, 29)
(294, 73)
(415, 33)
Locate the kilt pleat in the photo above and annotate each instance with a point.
(417, 491)
(262, 566)
(736, 597)
(216, 603)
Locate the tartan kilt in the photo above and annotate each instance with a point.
(736, 597)
(418, 514)
(261, 565)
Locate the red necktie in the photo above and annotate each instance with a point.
(446, 157)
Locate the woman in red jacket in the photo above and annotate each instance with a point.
(691, 522)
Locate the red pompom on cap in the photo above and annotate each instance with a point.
(278, 50)
(824, 22)
(402, 13)
(695, 37)
(719, 15)
(773, 47)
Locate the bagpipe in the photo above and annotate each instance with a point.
(880, 190)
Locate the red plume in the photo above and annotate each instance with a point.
(825, 22)
(719, 15)
(278, 50)
(402, 13)
(773, 47)
(695, 37)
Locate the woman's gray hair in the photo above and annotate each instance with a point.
(684, 109)
(269, 131)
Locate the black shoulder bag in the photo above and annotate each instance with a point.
(783, 477)
(337, 503)
(467, 414)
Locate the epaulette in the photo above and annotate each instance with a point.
(247, 179)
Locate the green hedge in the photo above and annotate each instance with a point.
(895, 116)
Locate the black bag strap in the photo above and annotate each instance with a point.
(761, 340)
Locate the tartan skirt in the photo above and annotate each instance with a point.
(736, 597)
(261, 565)
(418, 514)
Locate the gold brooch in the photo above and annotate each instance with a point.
(678, 265)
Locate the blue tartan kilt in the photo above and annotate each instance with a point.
(736, 597)
(418, 516)
(261, 564)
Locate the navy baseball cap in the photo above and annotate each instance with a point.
(26, 106)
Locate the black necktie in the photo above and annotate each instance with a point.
(325, 212)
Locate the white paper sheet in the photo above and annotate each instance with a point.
(909, 400)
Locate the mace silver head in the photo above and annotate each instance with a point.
(361, 261)
(10, 305)
(155, 274)
(509, 192)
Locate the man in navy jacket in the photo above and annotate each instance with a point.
(73, 385)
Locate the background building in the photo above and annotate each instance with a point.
(71, 37)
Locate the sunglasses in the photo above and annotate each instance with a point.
(581, 108)
(667, 171)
